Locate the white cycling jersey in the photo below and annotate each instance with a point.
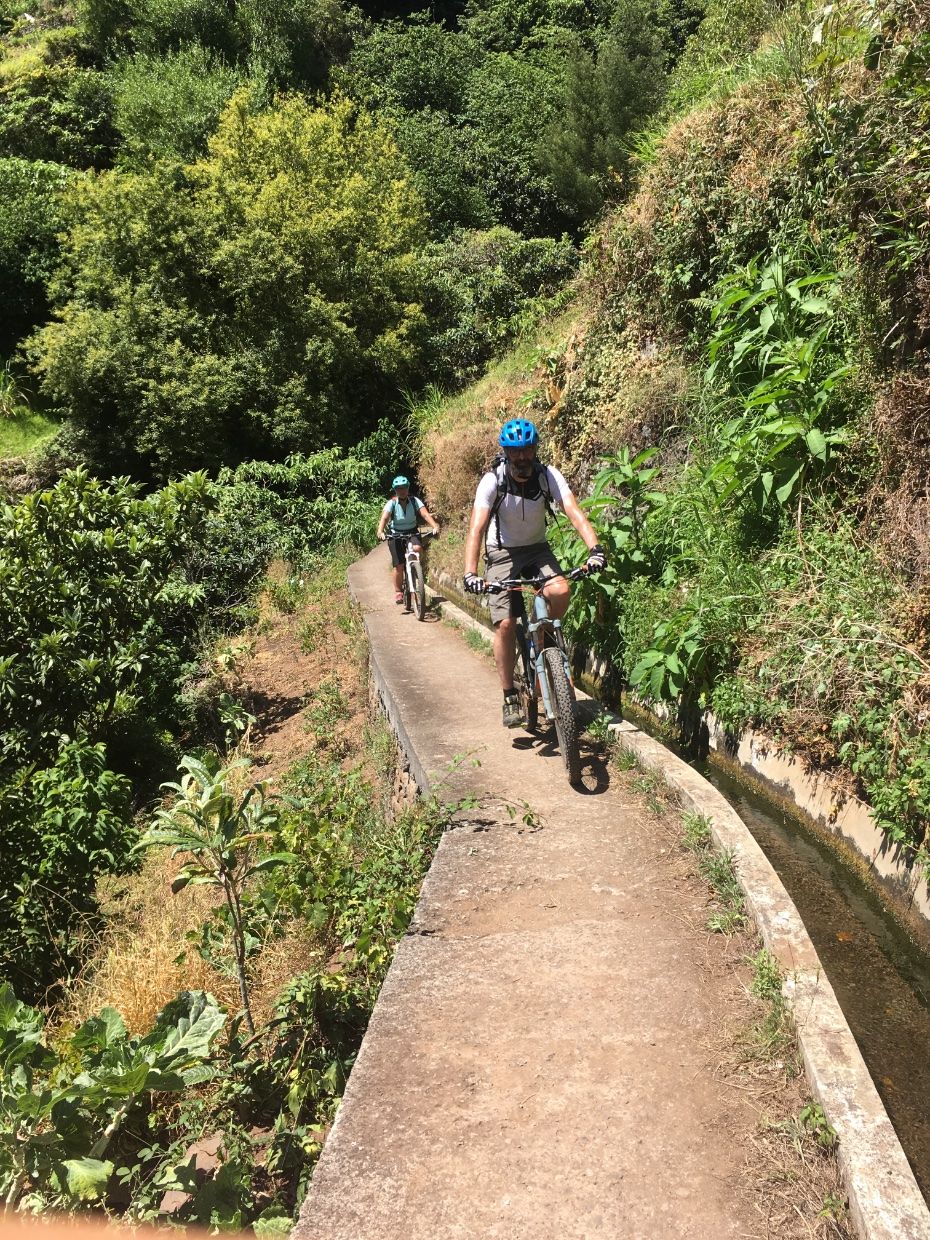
(520, 520)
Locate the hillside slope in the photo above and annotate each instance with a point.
(750, 352)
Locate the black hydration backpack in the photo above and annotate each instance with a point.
(506, 484)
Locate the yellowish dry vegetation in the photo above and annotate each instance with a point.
(136, 968)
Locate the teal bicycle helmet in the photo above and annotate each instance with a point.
(518, 433)
(400, 481)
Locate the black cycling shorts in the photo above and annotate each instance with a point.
(397, 545)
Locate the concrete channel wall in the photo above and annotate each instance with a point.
(885, 1201)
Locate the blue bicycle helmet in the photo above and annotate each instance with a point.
(400, 481)
(518, 433)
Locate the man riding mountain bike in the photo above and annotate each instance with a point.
(401, 515)
(509, 515)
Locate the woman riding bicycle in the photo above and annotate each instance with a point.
(509, 514)
(402, 515)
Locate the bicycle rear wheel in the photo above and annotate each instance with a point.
(566, 712)
(419, 589)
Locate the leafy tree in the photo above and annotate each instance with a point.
(100, 624)
(30, 218)
(607, 96)
(260, 302)
(62, 825)
(511, 100)
(516, 25)
(445, 168)
(54, 106)
(295, 44)
(116, 27)
(412, 65)
(98, 620)
(166, 106)
(479, 285)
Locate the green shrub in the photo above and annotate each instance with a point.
(54, 108)
(167, 106)
(301, 509)
(77, 1101)
(445, 169)
(411, 65)
(724, 41)
(511, 100)
(296, 44)
(62, 826)
(479, 287)
(261, 302)
(30, 218)
(607, 96)
(114, 27)
(100, 620)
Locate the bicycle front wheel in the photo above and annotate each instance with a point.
(525, 680)
(419, 589)
(566, 712)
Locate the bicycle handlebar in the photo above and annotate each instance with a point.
(521, 583)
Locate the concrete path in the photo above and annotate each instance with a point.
(540, 1062)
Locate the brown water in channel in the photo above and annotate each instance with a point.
(881, 977)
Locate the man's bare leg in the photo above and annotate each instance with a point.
(557, 593)
(505, 651)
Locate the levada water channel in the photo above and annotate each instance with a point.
(880, 976)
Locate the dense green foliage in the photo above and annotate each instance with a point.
(29, 221)
(110, 598)
(276, 317)
(100, 627)
(771, 560)
(251, 305)
(99, 1116)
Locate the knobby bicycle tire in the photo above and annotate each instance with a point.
(406, 589)
(566, 714)
(420, 589)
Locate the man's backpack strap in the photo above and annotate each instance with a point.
(499, 466)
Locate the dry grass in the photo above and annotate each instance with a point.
(135, 968)
(279, 962)
(900, 498)
(454, 460)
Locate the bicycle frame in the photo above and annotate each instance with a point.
(411, 556)
(537, 628)
(414, 588)
(534, 630)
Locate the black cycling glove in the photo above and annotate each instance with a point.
(597, 559)
(473, 583)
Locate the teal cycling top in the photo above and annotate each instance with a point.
(404, 517)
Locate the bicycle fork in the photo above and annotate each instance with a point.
(544, 622)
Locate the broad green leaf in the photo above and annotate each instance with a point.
(184, 1030)
(784, 492)
(86, 1178)
(99, 1032)
(271, 862)
(817, 444)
